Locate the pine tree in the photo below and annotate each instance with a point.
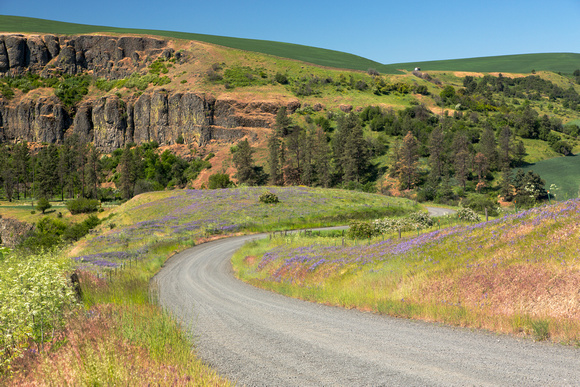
(244, 163)
(436, 153)
(21, 165)
(127, 176)
(293, 162)
(408, 171)
(505, 148)
(283, 123)
(461, 159)
(274, 167)
(482, 167)
(46, 179)
(322, 159)
(308, 148)
(93, 170)
(488, 147)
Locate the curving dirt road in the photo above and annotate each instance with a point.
(259, 338)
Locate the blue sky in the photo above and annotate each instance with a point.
(384, 31)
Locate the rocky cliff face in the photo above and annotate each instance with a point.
(12, 231)
(105, 56)
(110, 122)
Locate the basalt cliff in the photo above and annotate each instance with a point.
(111, 120)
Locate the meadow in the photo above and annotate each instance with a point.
(562, 172)
(187, 216)
(518, 274)
(117, 335)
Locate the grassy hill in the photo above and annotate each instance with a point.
(517, 274)
(561, 171)
(525, 63)
(558, 62)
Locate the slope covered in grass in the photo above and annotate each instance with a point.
(319, 56)
(187, 216)
(517, 274)
(523, 63)
(564, 172)
(563, 62)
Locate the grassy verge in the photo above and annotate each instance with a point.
(518, 274)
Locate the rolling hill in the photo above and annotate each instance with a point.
(525, 63)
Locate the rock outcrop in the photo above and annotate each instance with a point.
(108, 57)
(111, 122)
(12, 231)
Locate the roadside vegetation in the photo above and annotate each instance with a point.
(516, 274)
(113, 332)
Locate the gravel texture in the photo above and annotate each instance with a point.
(259, 338)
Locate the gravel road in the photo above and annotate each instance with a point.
(259, 338)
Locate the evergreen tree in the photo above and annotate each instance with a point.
(351, 156)
(283, 123)
(481, 166)
(127, 173)
(244, 163)
(408, 171)
(322, 159)
(7, 173)
(274, 165)
(505, 148)
(308, 149)
(46, 172)
(488, 147)
(461, 159)
(21, 165)
(67, 166)
(92, 171)
(436, 153)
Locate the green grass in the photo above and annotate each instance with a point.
(564, 62)
(524, 63)
(320, 56)
(509, 275)
(562, 171)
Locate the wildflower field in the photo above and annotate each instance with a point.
(185, 217)
(115, 334)
(517, 274)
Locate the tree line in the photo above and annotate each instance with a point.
(76, 169)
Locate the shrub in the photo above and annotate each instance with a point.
(180, 139)
(467, 214)
(281, 79)
(82, 206)
(360, 230)
(219, 180)
(479, 203)
(269, 198)
(43, 205)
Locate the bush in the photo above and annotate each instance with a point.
(467, 214)
(219, 180)
(43, 205)
(479, 203)
(82, 206)
(360, 230)
(269, 198)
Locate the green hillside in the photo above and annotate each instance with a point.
(561, 171)
(319, 56)
(558, 62)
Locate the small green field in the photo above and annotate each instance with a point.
(564, 172)
(563, 62)
(525, 63)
